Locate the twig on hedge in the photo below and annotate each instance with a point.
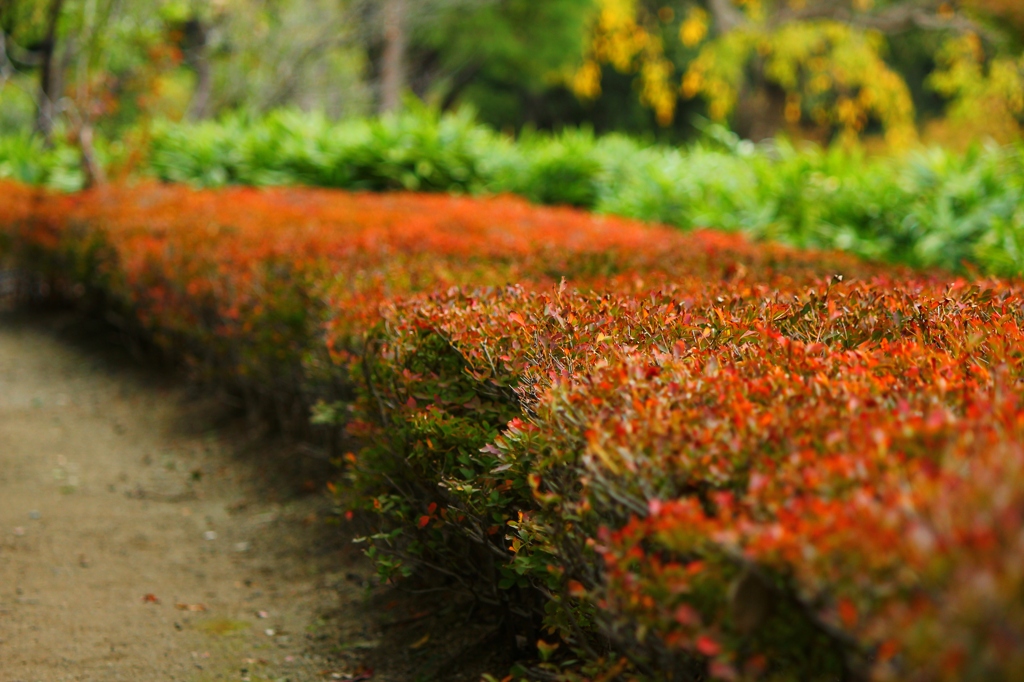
(142, 494)
(313, 452)
(631, 504)
(367, 377)
(542, 674)
(434, 567)
(476, 533)
(581, 636)
(410, 619)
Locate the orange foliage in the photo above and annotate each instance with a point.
(766, 467)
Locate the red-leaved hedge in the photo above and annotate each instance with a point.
(664, 455)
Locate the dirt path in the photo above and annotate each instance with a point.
(137, 544)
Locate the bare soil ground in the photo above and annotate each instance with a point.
(146, 535)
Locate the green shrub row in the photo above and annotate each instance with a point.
(28, 160)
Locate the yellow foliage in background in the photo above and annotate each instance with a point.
(987, 96)
(623, 37)
(1008, 12)
(833, 75)
(695, 28)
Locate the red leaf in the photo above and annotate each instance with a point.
(708, 646)
(722, 671)
(847, 613)
(887, 650)
(687, 615)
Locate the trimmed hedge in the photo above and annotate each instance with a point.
(668, 456)
(929, 208)
(781, 479)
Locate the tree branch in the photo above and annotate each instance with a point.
(393, 72)
(726, 16)
(897, 19)
(47, 79)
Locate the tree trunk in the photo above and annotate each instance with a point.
(198, 58)
(393, 76)
(462, 80)
(94, 174)
(48, 77)
(725, 15)
(760, 111)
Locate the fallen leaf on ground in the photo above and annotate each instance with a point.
(150, 599)
(190, 607)
(360, 674)
(365, 644)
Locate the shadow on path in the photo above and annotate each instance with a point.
(147, 533)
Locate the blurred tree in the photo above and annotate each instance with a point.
(48, 76)
(67, 44)
(1010, 11)
(258, 55)
(89, 55)
(393, 67)
(820, 68)
(986, 92)
(30, 43)
(821, 65)
(192, 33)
(120, 61)
(626, 35)
(506, 58)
